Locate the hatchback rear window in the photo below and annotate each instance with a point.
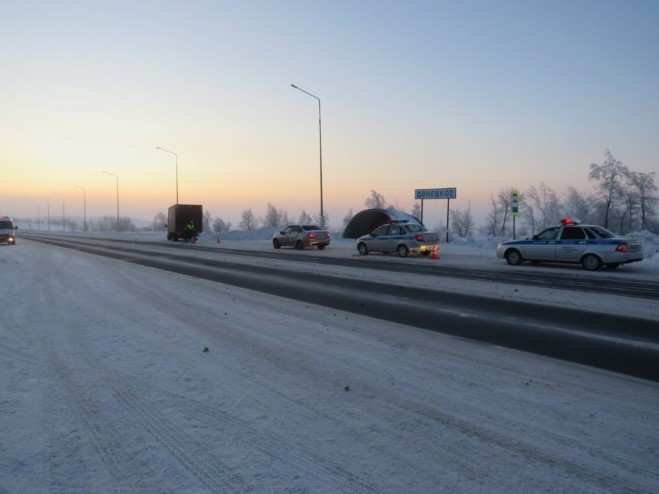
(414, 228)
(309, 228)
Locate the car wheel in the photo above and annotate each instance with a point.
(362, 249)
(513, 257)
(402, 250)
(591, 262)
(275, 243)
(614, 265)
(321, 246)
(299, 245)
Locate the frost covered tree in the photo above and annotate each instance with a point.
(462, 222)
(206, 220)
(248, 221)
(546, 206)
(375, 201)
(272, 218)
(221, 226)
(646, 189)
(416, 210)
(159, 222)
(609, 176)
(504, 200)
(493, 217)
(304, 218)
(322, 221)
(578, 206)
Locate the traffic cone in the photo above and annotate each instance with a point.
(435, 252)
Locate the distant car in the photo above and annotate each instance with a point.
(401, 238)
(589, 245)
(8, 231)
(301, 237)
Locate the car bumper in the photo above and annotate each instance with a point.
(622, 257)
(8, 239)
(315, 243)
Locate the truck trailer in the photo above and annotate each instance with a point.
(179, 216)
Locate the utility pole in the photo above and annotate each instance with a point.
(320, 151)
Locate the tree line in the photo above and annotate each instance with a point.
(623, 200)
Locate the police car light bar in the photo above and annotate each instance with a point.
(568, 221)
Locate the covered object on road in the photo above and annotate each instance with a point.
(368, 220)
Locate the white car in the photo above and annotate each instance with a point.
(591, 246)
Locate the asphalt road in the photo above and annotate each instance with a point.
(622, 344)
(600, 283)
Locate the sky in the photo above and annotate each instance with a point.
(474, 95)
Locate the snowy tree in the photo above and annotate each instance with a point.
(304, 218)
(375, 200)
(221, 226)
(504, 200)
(416, 210)
(159, 222)
(646, 189)
(206, 221)
(272, 218)
(347, 218)
(608, 175)
(462, 222)
(545, 204)
(493, 218)
(248, 221)
(578, 206)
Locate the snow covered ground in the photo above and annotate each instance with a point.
(106, 388)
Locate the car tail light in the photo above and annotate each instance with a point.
(311, 235)
(420, 238)
(622, 247)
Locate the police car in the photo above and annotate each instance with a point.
(402, 237)
(589, 245)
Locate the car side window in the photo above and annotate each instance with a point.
(381, 230)
(573, 233)
(396, 230)
(590, 234)
(548, 234)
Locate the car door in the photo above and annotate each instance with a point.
(571, 245)
(379, 238)
(396, 233)
(543, 246)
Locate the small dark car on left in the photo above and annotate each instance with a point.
(7, 230)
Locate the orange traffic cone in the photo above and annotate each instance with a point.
(435, 252)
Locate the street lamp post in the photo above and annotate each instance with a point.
(320, 151)
(160, 148)
(117, 183)
(84, 206)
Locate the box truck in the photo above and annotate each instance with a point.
(179, 217)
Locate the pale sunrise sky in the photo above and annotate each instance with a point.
(476, 95)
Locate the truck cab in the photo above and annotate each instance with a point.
(7, 230)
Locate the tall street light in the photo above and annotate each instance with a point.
(160, 148)
(320, 150)
(84, 206)
(117, 182)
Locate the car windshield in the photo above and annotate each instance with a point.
(601, 232)
(311, 227)
(6, 225)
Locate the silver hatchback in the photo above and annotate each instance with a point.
(589, 245)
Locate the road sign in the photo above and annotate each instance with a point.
(515, 204)
(443, 193)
